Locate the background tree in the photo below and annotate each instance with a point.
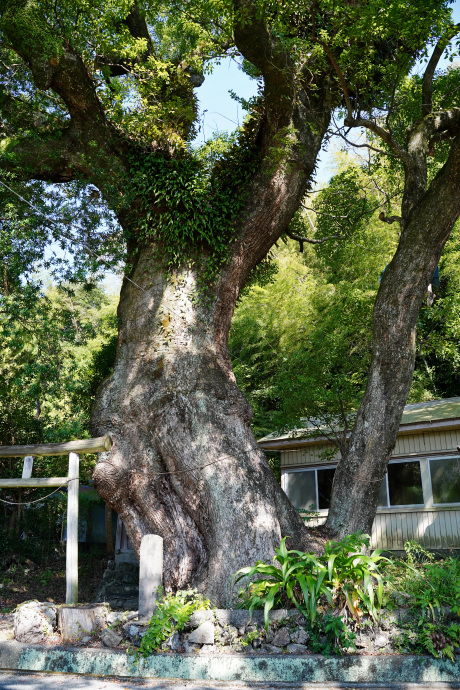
(301, 345)
(100, 96)
(420, 130)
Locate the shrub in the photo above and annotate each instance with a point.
(342, 577)
(171, 614)
(427, 584)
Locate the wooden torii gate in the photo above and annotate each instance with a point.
(73, 449)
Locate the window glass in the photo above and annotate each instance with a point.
(325, 479)
(300, 488)
(405, 484)
(383, 499)
(445, 480)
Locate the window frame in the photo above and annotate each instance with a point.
(427, 491)
(315, 468)
(453, 456)
(405, 505)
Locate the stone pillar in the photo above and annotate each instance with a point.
(150, 574)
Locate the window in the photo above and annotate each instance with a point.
(405, 484)
(324, 480)
(300, 488)
(445, 480)
(308, 488)
(402, 485)
(383, 496)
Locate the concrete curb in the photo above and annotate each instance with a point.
(15, 656)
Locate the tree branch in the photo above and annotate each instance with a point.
(389, 219)
(64, 71)
(380, 132)
(367, 146)
(432, 128)
(301, 239)
(343, 84)
(137, 27)
(427, 82)
(51, 158)
(254, 40)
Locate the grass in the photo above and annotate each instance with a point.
(425, 585)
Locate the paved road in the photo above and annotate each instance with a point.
(54, 681)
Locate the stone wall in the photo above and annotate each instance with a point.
(120, 586)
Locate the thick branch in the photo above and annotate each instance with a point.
(63, 70)
(427, 83)
(433, 125)
(255, 42)
(389, 219)
(51, 158)
(137, 27)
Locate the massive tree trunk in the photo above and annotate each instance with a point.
(185, 464)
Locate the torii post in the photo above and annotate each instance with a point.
(91, 445)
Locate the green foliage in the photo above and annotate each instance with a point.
(417, 554)
(338, 637)
(298, 577)
(308, 515)
(354, 577)
(171, 614)
(427, 586)
(343, 576)
(437, 371)
(438, 639)
(301, 345)
(200, 205)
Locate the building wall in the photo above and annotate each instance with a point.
(410, 444)
(433, 527)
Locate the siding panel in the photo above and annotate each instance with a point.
(434, 529)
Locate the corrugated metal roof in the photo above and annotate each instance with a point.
(449, 408)
(415, 413)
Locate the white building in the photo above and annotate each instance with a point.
(420, 494)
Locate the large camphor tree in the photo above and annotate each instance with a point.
(102, 94)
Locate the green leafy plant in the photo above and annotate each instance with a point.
(330, 633)
(353, 576)
(342, 577)
(298, 577)
(171, 614)
(437, 639)
(308, 514)
(45, 577)
(250, 637)
(427, 585)
(416, 554)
